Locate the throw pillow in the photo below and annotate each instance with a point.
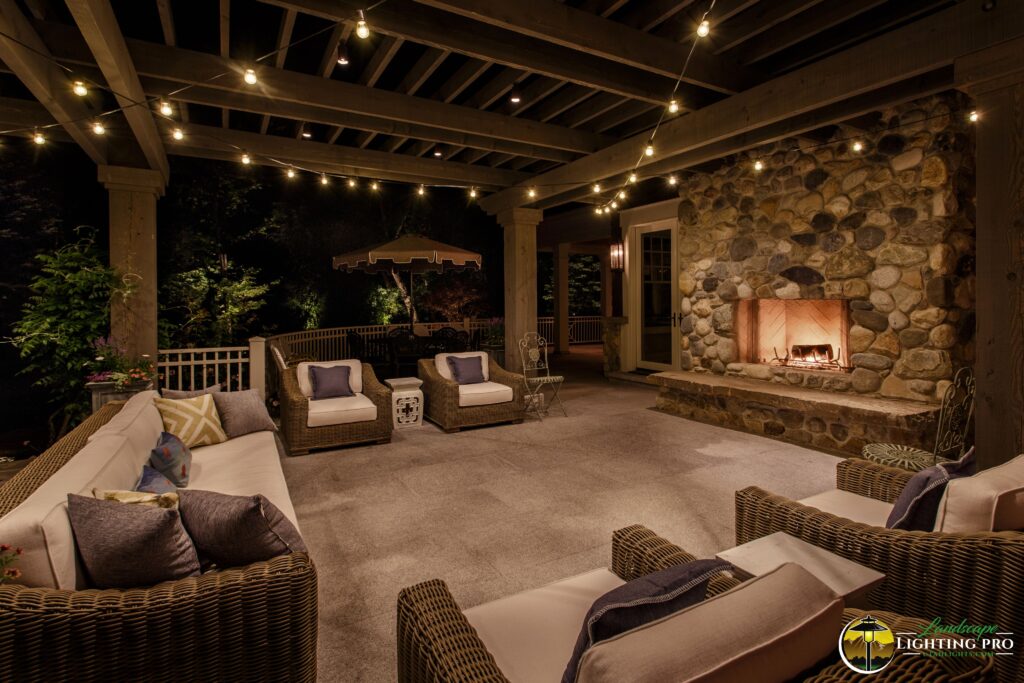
(125, 546)
(159, 500)
(642, 601)
(170, 458)
(176, 394)
(918, 503)
(232, 531)
(992, 500)
(466, 370)
(193, 420)
(243, 412)
(152, 481)
(330, 381)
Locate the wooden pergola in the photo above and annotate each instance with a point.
(528, 102)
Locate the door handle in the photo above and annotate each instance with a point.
(673, 318)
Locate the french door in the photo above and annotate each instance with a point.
(655, 296)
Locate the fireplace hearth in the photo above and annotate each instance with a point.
(806, 334)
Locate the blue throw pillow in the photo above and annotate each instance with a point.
(152, 481)
(172, 458)
(642, 601)
(466, 369)
(918, 502)
(330, 382)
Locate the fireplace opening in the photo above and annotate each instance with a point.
(809, 334)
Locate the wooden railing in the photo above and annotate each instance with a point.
(189, 369)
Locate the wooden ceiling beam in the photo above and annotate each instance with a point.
(496, 88)
(47, 82)
(372, 72)
(224, 25)
(760, 19)
(196, 68)
(650, 14)
(570, 96)
(99, 27)
(592, 35)
(442, 29)
(925, 45)
(424, 67)
(163, 8)
(284, 38)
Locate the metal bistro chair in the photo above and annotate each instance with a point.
(950, 438)
(452, 339)
(533, 350)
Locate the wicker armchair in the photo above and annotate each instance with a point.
(254, 623)
(442, 398)
(302, 438)
(437, 644)
(975, 576)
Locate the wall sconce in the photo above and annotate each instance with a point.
(617, 256)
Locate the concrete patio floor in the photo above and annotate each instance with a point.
(493, 511)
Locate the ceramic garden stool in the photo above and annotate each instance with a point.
(406, 402)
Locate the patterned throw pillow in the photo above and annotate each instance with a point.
(193, 420)
(168, 501)
(152, 481)
(170, 458)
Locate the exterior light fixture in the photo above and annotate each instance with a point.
(621, 194)
(617, 256)
(421, 190)
(515, 97)
(374, 186)
(362, 29)
(341, 56)
(598, 210)
(351, 182)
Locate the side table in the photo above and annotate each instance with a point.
(847, 578)
(406, 402)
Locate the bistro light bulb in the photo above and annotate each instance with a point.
(858, 146)
(342, 56)
(472, 192)
(673, 107)
(374, 186)
(632, 177)
(351, 182)
(323, 179)
(607, 209)
(165, 108)
(515, 97)
(38, 138)
(246, 159)
(79, 89)
(250, 77)
(362, 30)
(531, 193)
(704, 29)
(98, 128)
(598, 210)
(973, 116)
(622, 194)
(421, 190)
(615, 204)
(290, 172)
(649, 150)
(178, 134)
(672, 180)
(597, 188)
(758, 165)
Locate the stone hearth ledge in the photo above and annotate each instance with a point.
(838, 423)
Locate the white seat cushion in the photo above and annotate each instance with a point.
(484, 394)
(532, 634)
(355, 376)
(441, 363)
(851, 506)
(341, 410)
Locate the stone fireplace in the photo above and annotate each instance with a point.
(801, 334)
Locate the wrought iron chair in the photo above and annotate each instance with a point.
(452, 339)
(950, 438)
(533, 351)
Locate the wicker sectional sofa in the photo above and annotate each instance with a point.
(253, 623)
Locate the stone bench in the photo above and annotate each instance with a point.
(830, 421)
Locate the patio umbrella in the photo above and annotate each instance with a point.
(410, 253)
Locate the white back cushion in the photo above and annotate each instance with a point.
(355, 377)
(991, 500)
(441, 363)
(138, 420)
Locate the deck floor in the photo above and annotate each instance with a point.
(493, 511)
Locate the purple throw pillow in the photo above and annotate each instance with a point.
(466, 369)
(152, 481)
(330, 382)
(642, 601)
(233, 531)
(918, 503)
(171, 458)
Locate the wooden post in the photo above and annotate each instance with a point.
(258, 365)
(606, 284)
(520, 227)
(560, 257)
(133, 193)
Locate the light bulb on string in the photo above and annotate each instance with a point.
(598, 210)
(607, 210)
(246, 159)
(758, 166)
(672, 180)
(421, 190)
(374, 186)
(973, 116)
(704, 28)
(165, 108)
(79, 89)
(290, 173)
(632, 177)
(178, 134)
(250, 77)
(323, 179)
(621, 194)
(649, 149)
(673, 107)
(438, 152)
(531, 193)
(341, 56)
(514, 96)
(38, 138)
(472, 192)
(98, 128)
(597, 188)
(351, 182)
(362, 29)
(614, 204)
(858, 146)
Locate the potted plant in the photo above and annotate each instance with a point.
(114, 376)
(493, 339)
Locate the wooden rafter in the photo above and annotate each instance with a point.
(758, 20)
(163, 8)
(650, 14)
(284, 38)
(224, 26)
(382, 56)
(425, 66)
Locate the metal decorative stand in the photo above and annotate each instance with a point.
(406, 402)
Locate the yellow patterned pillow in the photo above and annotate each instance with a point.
(159, 500)
(193, 420)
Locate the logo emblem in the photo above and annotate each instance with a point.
(867, 645)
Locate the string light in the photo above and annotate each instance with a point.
(973, 116)
(351, 182)
(421, 190)
(79, 89)
(165, 108)
(673, 107)
(649, 150)
(622, 194)
(531, 193)
(38, 138)
(597, 188)
(98, 128)
(250, 77)
(341, 56)
(437, 152)
(323, 179)
(374, 186)
(514, 96)
(614, 204)
(472, 193)
(598, 210)
(758, 166)
(290, 173)
(607, 210)
(178, 134)
(246, 159)
(362, 29)
(632, 178)
(306, 133)
(704, 28)
(672, 180)
(858, 146)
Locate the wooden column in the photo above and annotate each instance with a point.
(133, 193)
(606, 284)
(560, 260)
(520, 227)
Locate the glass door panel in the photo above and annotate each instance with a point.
(656, 312)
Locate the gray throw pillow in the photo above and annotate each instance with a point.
(330, 382)
(642, 601)
(242, 412)
(178, 395)
(466, 369)
(918, 503)
(126, 546)
(232, 531)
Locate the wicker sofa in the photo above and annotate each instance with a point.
(974, 576)
(438, 644)
(257, 622)
(446, 403)
(302, 435)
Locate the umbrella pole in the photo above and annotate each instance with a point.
(412, 306)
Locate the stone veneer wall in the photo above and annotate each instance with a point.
(890, 229)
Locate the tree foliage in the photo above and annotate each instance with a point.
(454, 296)
(584, 284)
